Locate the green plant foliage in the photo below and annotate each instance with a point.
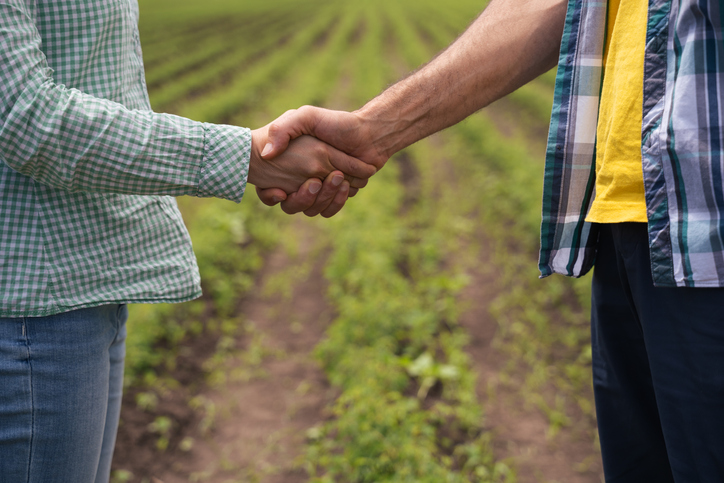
(400, 252)
(229, 241)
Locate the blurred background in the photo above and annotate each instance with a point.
(407, 339)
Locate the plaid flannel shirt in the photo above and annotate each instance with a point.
(682, 135)
(85, 216)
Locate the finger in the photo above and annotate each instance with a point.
(331, 186)
(338, 202)
(304, 198)
(349, 165)
(293, 124)
(352, 192)
(271, 196)
(356, 182)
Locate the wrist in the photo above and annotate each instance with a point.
(389, 125)
(258, 140)
(376, 127)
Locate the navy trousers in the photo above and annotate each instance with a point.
(658, 368)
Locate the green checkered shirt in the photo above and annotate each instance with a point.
(88, 170)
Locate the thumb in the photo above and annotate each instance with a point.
(288, 126)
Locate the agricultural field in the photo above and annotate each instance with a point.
(407, 339)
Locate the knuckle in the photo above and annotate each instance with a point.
(319, 171)
(320, 151)
(267, 200)
(301, 203)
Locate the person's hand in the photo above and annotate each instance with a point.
(349, 132)
(341, 129)
(304, 158)
(313, 197)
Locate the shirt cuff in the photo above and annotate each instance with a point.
(225, 165)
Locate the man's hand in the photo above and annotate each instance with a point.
(300, 170)
(344, 130)
(313, 198)
(347, 131)
(304, 158)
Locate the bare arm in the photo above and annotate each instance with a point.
(509, 44)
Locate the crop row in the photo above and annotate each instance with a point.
(408, 409)
(543, 325)
(208, 52)
(251, 85)
(198, 82)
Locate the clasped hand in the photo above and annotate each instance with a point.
(311, 159)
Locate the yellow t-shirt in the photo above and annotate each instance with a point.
(619, 172)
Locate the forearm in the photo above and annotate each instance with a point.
(509, 44)
(82, 143)
(70, 140)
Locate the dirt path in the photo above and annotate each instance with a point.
(258, 424)
(252, 428)
(520, 431)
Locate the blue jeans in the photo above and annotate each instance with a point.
(658, 368)
(61, 379)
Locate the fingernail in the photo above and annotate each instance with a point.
(267, 149)
(315, 187)
(337, 180)
(276, 199)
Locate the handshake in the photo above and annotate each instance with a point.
(311, 159)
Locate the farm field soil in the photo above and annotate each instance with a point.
(255, 382)
(259, 426)
(521, 431)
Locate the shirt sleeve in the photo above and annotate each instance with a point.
(67, 139)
